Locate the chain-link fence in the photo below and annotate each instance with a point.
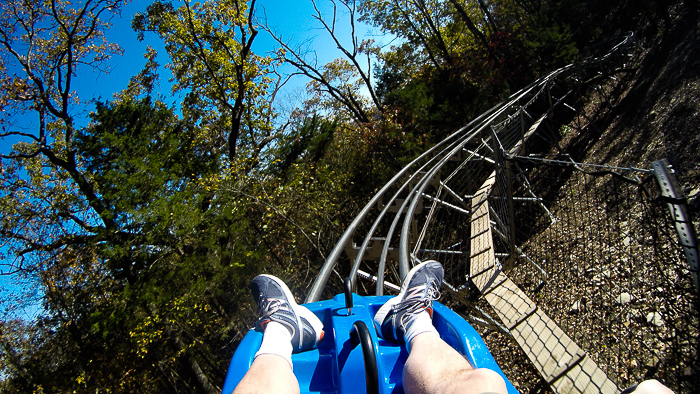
(616, 279)
(594, 248)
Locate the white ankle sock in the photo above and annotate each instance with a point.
(420, 324)
(276, 340)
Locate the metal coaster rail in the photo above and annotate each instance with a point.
(525, 107)
(590, 268)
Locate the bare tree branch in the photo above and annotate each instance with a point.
(352, 56)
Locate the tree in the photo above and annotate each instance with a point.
(47, 201)
(478, 34)
(343, 80)
(140, 233)
(229, 89)
(422, 24)
(96, 214)
(134, 308)
(140, 255)
(15, 339)
(458, 56)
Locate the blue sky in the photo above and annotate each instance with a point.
(292, 19)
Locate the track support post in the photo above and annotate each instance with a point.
(677, 205)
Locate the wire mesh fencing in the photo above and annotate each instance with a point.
(592, 247)
(616, 279)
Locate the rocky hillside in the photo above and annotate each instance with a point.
(656, 113)
(650, 110)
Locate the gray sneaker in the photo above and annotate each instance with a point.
(420, 287)
(276, 303)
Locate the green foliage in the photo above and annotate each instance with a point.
(228, 87)
(169, 238)
(308, 142)
(144, 148)
(550, 41)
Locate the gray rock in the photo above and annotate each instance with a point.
(695, 193)
(623, 299)
(655, 318)
(688, 372)
(576, 307)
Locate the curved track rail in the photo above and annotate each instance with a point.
(505, 126)
(454, 204)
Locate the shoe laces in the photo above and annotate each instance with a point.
(267, 307)
(413, 307)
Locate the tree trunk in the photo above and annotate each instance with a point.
(489, 18)
(202, 378)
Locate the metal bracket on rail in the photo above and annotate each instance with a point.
(676, 202)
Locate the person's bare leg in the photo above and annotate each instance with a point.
(435, 367)
(432, 365)
(269, 373)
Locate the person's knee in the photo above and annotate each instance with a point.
(651, 386)
(487, 381)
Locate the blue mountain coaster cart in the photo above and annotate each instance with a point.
(352, 358)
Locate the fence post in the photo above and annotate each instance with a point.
(549, 96)
(676, 201)
(510, 263)
(522, 131)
